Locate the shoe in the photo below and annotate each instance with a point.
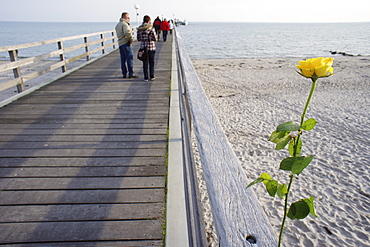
(133, 76)
(125, 76)
(146, 80)
(152, 79)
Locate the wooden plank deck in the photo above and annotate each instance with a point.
(83, 160)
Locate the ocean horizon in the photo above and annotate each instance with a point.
(263, 40)
(208, 40)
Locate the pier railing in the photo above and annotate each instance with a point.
(238, 216)
(57, 58)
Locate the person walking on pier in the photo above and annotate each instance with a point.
(125, 39)
(165, 27)
(147, 35)
(157, 25)
(171, 26)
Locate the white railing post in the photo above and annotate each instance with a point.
(13, 54)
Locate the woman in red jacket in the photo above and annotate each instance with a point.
(165, 27)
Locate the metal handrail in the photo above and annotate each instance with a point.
(238, 217)
(195, 214)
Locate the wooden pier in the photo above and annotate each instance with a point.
(83, 159)
(93, 159)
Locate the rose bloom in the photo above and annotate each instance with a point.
(316, 67)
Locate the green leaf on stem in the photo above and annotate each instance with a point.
(310, 204)
(266, 177)
(295, 164)
(300, 165)
(282, 190)
(287, 163)
(277, 136)
(300, 209)
(288, 126)
(281, 138)
(258, 180)
(271, 187)
(291, 147)
(309, 124)
(283, 142)
(263, 178)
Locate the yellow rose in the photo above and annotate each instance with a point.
(316, 67)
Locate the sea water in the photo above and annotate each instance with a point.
(15, 33)
(219, 40)
(249, 40)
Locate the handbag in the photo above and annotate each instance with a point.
(142, 54)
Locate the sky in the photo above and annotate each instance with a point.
(190, 10)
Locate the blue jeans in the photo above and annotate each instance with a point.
(127, 57)
(148, 66)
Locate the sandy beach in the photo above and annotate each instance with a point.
(252, 96)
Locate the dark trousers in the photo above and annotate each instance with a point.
(148, 66)
(157, 30)
(165, 32)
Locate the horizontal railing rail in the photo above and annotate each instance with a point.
(238, 217)
(186, 170)
(102, 41)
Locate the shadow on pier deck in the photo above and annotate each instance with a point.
(83, 159)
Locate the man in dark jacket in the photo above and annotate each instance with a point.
(157, 26)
